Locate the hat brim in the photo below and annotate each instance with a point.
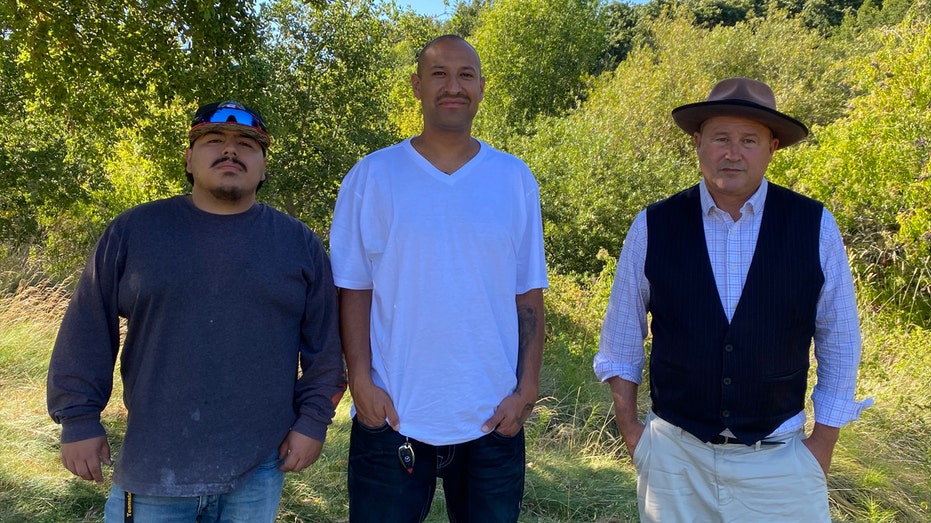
(204, 128)
(786, 129)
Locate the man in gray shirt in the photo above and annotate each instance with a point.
(231, 365)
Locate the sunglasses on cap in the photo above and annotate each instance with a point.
(230, 113)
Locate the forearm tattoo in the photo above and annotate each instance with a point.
(526, 331)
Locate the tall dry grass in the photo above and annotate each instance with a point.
(577, 470)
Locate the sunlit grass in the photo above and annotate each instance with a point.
(577, 467)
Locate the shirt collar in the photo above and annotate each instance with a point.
(754, 205)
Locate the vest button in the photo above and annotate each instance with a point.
(728, 348)
(725, 413)
(727, 381)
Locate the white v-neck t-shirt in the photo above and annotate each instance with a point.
(445, 256)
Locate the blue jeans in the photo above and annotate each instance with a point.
(256, 501)
(483, 479)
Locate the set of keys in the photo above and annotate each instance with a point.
(406, 455)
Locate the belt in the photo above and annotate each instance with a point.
(729, 440)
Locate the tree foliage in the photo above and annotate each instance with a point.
(466, 17)
(625, 32)
(96, 79)
(105, 93)
(99, 62)
(537, 56)
(621, 150)
(873, 168)
(822, 15)
(96, 100)
(327, 105)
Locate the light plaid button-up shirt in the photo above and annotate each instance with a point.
(730, 247)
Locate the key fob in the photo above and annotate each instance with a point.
(406, 455)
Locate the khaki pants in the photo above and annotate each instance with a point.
(680, 479)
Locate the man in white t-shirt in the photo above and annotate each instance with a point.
(437, 248)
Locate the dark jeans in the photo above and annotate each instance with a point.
(483, 479)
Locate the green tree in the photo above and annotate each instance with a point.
(328, 103)
(876, 13)
(625, 31)
(823, 15)
(101, 63)
(105, 92)
(537, 56)
(873, 169)
(465, 17)
(826, 15)
(621, 150)
(98, 79)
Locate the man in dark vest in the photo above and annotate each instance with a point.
(739, 276)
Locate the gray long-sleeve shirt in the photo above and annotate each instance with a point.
(232, 340)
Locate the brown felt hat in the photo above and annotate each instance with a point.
(744, 98)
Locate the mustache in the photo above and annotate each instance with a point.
(233, 159)
(731, 165)
(453, 97)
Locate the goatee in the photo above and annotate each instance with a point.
(229, 194)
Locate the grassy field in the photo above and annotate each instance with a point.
(577, 468)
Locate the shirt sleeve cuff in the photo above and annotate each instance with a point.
(605, 370)
(81, 428)
(310, 427)
(834, 411)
